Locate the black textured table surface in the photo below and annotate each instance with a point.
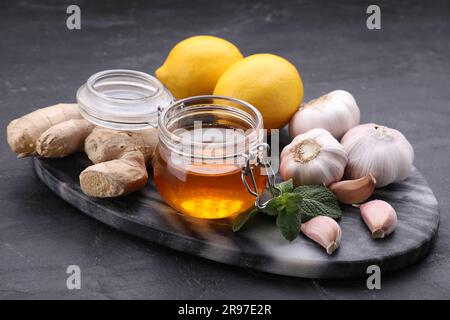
(399, 76)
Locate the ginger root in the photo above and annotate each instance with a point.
(106, 144)
(64, 138)
(116, 177)
(25, 131)
(119, 157)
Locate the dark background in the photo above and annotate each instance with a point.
(399, 76)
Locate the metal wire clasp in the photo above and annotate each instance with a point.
(260, 154)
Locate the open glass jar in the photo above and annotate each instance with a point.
(207, 162)
(123, 99)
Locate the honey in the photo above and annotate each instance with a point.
(209, 191)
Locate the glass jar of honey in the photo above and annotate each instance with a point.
(207, 164)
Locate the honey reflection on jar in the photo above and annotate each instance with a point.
(209, 191)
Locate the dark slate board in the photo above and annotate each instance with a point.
(260, 245)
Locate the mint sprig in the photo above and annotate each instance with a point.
(293, 206)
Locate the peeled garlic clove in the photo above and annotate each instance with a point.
(354, 191)
(323, 230)
(380, 217)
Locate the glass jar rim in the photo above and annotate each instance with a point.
(250, 139)
(132, 101)
(90, 83)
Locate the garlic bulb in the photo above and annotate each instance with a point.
(383, 152)
(336, 112)
(313, 158)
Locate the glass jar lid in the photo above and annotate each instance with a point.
(123, 99)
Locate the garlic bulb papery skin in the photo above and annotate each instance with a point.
(381, 151)
(336, 112)
(315, 157)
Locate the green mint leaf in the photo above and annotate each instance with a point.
(292, 202)
(284, 187)
(317, 201)
(286, 208)
(275, 206)
(242, 219)
(289, 225)
(272, 207)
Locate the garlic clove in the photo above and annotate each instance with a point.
(380, 218)
(354, 191)
(323, 230)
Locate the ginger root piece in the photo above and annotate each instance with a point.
(116, 177)
(25, 131)
(120, 159)
(106, 144)
(64, 138)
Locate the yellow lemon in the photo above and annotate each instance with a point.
(270, 83)
(195, 64)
